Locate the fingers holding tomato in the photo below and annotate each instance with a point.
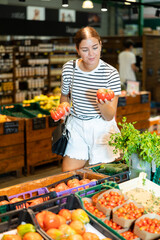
(61, 111)
(104, 95)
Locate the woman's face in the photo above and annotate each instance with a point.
(90, 51)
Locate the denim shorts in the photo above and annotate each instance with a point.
(89, 140)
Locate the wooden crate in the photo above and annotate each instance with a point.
(12, 146)
(135, 109)
(43, 182)
(38, 135)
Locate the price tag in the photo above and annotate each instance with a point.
(39, 123)
(11, 127)
(121, 102)
(145, 98)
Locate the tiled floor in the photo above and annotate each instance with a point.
(46, 170)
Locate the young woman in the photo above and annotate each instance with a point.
(90, 122)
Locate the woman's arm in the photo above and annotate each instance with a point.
(64, 98)
(108, 109)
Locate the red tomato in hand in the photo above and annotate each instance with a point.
(65, 105)
(103, 94)
(58, 113)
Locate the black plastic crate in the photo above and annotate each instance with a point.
(71, 202)
(15, 218)
(118, 178)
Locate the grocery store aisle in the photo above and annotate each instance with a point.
(46, 170)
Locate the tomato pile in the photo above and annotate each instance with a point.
(128, 235)
(71, 183)
(105, 94)
(129, 211)
(60, 111)
(92, 209)
(66, 224)
(149, 225)
(112, 224)
(111, 200)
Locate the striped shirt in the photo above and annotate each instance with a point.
(85, 86)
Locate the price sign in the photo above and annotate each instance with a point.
(121, 102)
(39, 123)
(11, 127)
(144, 98)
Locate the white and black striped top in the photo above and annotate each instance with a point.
(85, 86)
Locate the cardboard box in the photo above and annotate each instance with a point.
(144, 235)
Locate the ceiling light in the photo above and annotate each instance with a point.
(64, 3)
(157, 14)
(104, 6)
(87, 4)
(128, 2)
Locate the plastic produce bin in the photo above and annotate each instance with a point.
(35, 109)
(156, 178)
(15, 218)
(16, 110)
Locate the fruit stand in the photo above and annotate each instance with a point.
(92, 207)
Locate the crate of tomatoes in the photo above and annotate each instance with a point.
(61, 219)
(20, 225)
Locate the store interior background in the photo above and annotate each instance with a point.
(119, 20)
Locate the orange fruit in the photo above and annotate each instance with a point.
(78, 226)
(11, 237)
(66, 230)
(54, 233)
(51, 220)
(62, 219)
(90, 236)
(75, 237)
(32, 236)
(65, 213)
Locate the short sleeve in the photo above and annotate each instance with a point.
(114, 82)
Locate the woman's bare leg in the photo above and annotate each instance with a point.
(70, 164)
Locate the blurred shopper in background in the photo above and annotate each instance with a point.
(127, 63)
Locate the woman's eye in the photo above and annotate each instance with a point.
(85, 50)
(95, 48)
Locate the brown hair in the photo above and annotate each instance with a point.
(85, 33)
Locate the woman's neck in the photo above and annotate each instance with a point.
(85, 67)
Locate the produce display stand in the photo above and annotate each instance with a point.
(135, 108)
(38, 142)
(12, 152)
(71, 203)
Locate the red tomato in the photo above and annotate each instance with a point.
(40, 217)
(4, 202)
(32, 235)
(73, 183)
(35, 201)
(58, 113)
(51, 220)
(65, 105)
(103, 94)
(61, 187)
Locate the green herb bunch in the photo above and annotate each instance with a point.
(131, 140)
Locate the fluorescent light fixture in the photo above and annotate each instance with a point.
(104, 6)
(64, 3)
(87, 4)
(128, 2)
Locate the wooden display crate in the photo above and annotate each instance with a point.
(12, 146)
(135, 109)
(38, 144)
(43, 182)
